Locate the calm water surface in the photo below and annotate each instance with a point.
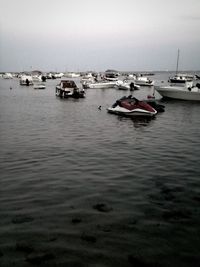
(81, 187)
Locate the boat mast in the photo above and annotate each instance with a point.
(177, 63)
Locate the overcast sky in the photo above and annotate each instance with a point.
(79, 35)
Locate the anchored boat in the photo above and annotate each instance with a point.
(186, 92)
(131, 107)
(68, 88)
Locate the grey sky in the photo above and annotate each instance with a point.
(77, 35)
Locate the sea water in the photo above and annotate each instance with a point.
(82, 187)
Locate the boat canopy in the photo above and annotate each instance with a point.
(68, 84)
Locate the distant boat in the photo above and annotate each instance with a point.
(100, 84)
(71, 75)
(125, 85)
(178, 77)
(7, 75)
(143, 81)
(88, 78)
(26, 80)
(39, 86)
(111, 75)
(68, 88)
(186, 92)
(181, 78)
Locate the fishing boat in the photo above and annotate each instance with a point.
(68, 88)
(132, 107)
(187, 92)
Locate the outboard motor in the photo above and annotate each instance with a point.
(27, 82)
(198, 85)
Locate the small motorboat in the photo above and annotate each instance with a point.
(131, 107)
(125, 85)
(39, 86)
(100, 84)
(143, 81)
(26, 80)
(68, 88)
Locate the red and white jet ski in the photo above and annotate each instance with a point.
(131, 107)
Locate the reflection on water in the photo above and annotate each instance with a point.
(137, 121)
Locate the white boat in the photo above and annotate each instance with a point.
(125, 85)
(26, 80)
(186, 92)
(101, 85)
(71, 75)
(181, 78)
(36, 78)
(111, 75)
(88, 78)
(39, 86)
(130, 76)
(7, 75)
(143, 81)
(68, 88)
(59, 75)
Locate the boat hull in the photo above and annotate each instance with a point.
(40, 86)
(177, 93)
(144, 83)
(101, 85)
(174, 80)
(135, 113)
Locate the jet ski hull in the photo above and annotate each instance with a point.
(132, 107)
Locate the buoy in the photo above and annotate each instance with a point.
(99, 107)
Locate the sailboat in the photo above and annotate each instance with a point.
(180, 78)
(187, 90)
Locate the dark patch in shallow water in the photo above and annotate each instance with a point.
(138, 262)
(102, 207)
(176, 214)
(18, 219)
(40, 258)
(88, 238)
(24, 247)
